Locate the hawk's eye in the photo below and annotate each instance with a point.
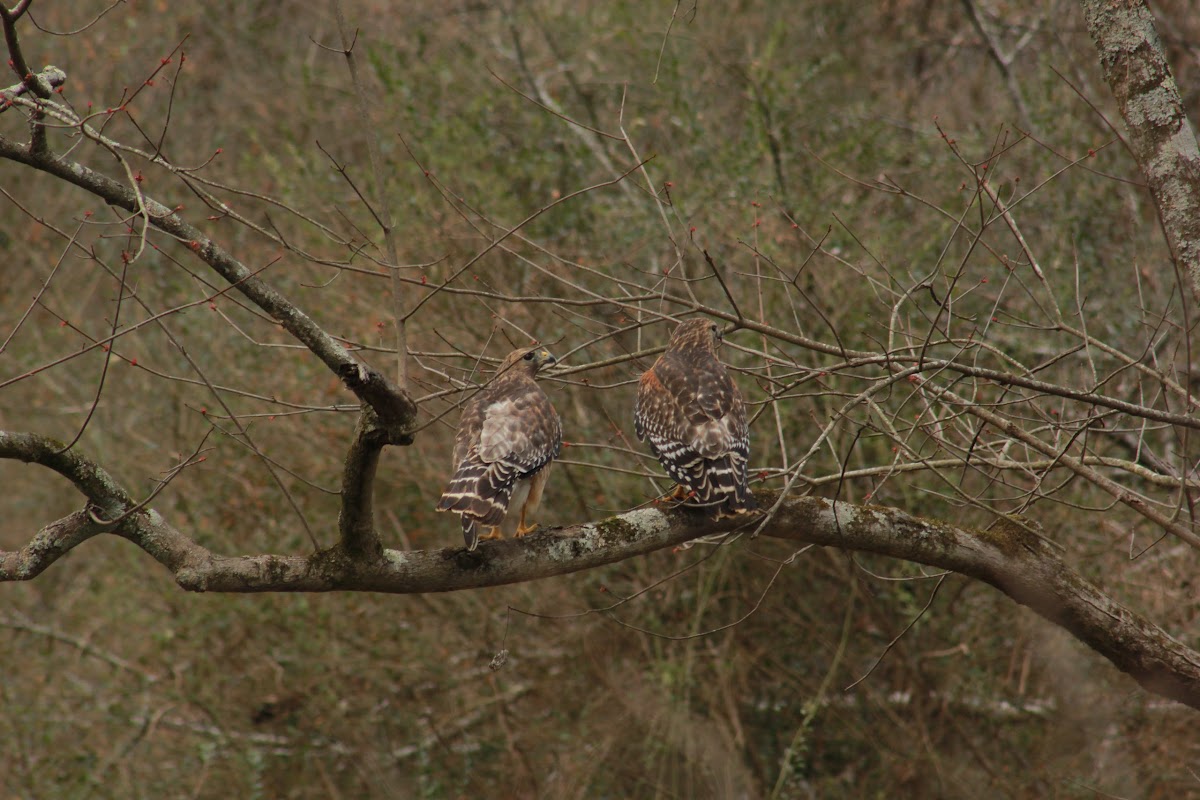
(529, 356)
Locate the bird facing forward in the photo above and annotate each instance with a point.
(690, 410)
(507, 438)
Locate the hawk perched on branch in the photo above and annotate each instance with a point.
(692, 413)
(507, 438)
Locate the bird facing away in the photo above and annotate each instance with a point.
(508, 436)
(691, 412)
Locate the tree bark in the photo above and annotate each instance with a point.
(1160, 135)
(1010, 558)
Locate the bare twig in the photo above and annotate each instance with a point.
(382, 208)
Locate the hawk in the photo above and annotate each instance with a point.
(691, 412)
(507, 438)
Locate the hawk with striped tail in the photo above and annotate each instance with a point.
(691, 412)
(507, 438)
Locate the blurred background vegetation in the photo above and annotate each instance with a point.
(770, 121)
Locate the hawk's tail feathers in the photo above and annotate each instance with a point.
(720, 485)
(470, 527)
(743, 503)
(480, 493)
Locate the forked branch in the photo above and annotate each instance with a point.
(1008, 558)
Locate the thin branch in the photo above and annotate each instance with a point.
(395, 407)
(382, 210)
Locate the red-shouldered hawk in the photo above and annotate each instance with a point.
(508, 436)
(692, 413)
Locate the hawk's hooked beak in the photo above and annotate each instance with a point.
(548, 363)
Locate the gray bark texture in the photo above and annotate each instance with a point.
(1011, 558)
(1159, 134)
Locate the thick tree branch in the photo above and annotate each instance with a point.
(356, 524)
(1022, 566)
(53, 77)
(394, 407)
(1009, 558)
(47, 546)
(1160, 136)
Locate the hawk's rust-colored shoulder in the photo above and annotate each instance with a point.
(653, 405)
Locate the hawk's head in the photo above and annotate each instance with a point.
(696, 333)
(526, 361)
